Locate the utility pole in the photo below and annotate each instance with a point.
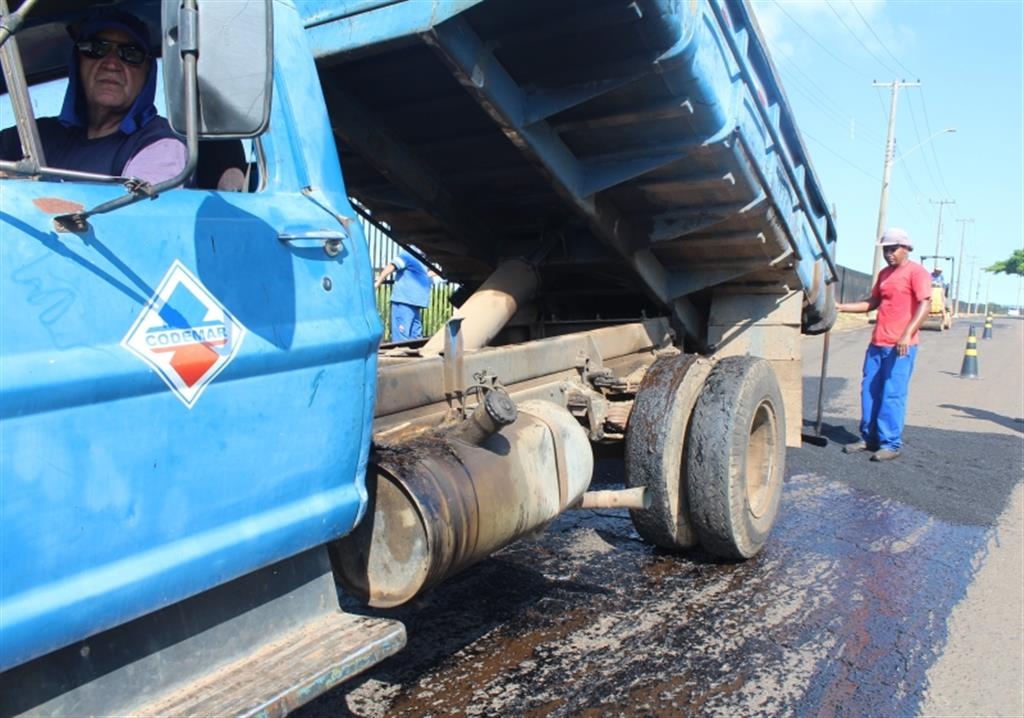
(960, 264)
(977, 292)
(970, 284)
(938, 230)
(890, 150)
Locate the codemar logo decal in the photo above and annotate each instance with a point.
(185, 334)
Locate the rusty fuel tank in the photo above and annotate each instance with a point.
(438, 504)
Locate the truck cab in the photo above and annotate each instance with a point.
(187, 380)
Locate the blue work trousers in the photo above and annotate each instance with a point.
(883, 396)
(405, 322)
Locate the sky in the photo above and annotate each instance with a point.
(837, 60)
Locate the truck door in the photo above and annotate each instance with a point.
(187, 386)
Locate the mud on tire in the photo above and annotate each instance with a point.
(655, 446)
(736, 457)
(815, 321)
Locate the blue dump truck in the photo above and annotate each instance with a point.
(206, 450)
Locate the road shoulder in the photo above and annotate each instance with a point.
(981, 672)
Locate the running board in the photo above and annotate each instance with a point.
(262, 644)
(290, 671)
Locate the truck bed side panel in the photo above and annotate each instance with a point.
(645, 147)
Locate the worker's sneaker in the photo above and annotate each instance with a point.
(885, 454)
(855, 447)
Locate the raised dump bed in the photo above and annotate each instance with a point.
(639, 154)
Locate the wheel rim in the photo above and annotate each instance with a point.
(761, 460)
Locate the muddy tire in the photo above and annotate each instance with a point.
(655, 444)
(820, 320)
(736, 457)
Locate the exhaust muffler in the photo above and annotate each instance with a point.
(438, 504)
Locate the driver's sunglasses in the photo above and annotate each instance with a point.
(130, 54)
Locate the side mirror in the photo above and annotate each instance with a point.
(234, 41)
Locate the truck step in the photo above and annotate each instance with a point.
(288, 672)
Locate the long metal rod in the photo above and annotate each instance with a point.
(17, 88)
(821, 381)
(11, 21)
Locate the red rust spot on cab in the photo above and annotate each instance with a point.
(54, 205)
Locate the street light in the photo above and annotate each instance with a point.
(923, 142)
(890, 147)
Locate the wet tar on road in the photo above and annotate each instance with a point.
(846, 612)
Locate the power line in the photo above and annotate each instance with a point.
(960, 264)
(909, 175)
(835, 57)
(890, 146)
(838, 115)
(938, 229)
(881, 106)
(798, 80)
(857, 38)
(927, 124)
(884, 45)
(917, 134)
(936, 179)
(828, 149)
(917, 206)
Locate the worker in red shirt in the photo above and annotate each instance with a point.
(902, 296)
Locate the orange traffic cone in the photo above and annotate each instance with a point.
(987, 331)
(969, 369)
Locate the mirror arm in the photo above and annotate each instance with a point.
(31, 168)
(76, 221)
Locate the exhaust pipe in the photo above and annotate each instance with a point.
(495, 411)
(490, 307)
(439, 504)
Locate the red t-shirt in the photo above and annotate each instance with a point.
(901, 289)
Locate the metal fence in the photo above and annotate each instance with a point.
(382, 250)
(853, 285)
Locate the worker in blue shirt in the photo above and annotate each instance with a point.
(409, 294)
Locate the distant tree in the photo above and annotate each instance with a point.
(1013, 265)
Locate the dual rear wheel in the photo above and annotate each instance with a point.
(707, 441)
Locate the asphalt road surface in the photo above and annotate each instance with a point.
(886, 589)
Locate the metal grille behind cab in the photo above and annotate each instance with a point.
(382, 249)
